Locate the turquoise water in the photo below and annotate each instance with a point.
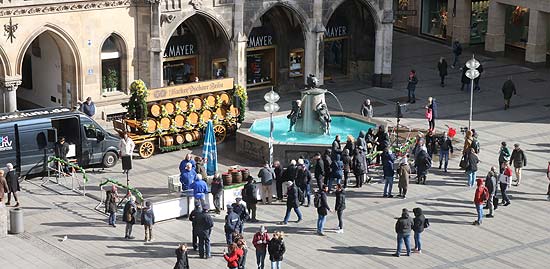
(340, 125)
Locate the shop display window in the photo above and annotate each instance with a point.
(478, 21)
(434, 18)
(296, 64)
(219, 68)
(260, 67)
(401, 20)
(179, 70)
(517, 26)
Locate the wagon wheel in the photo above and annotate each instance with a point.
(220, 132)
(146, 149)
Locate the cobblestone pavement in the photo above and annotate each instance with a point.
(518, 236)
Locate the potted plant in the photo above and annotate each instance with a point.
(112, 80)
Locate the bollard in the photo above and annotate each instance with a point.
(3, 220)
(16, 221)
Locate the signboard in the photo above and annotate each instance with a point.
(32, 113)
(259, 41)
(404, 13)
(190, 89)
(183, 45)
(336, 31)
(6, 143)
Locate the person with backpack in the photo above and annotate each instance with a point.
(249, 197)
(260, 242)
(471, 169)
(129, 216)
(420, 222)
(232, 258)
(148, 220)
(505, 182)
(203, 224)
(339, 206)
(337, 171)
(457, 51)
(404, 171)
(387, 164)
(111, 199)
(480, 197)
(276, 249)
(322, 209)
(292, 203)
(519, 160)
(403, 228)
(303, 181)
(241, 211)
(503, 156)
(267, 175)
(491, 185)
(411, 86)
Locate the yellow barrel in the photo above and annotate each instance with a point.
(167, 141)
(206, 115)
(210, 100)
(193, 136)
(180, 139)
(225, 98)
(221, 112)
(193, 118)
(151, 126)
(197, 102)
(234, 110)
(184, 104)
(179, 121)
(154, 109)
(165, 123)
(169, 107)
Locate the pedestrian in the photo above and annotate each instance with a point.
(480, 197)
(404, 172)
(148, 220)
(200, 191)
(430, 143)
(319, 169)
(292, 203)
(322, 209)
(194, 229)
(519, 160)
(187, 176)
(276, 249)
(111, 199)
(361, 140)
(203, 223)
(279, 180)
(367, 110)
(423, 162)
(340, 206)
(216, 188)
(445, 146)
(468, 142)
(242, 245)
(61, 149)
(241, 211)
(12, 180)
(336, 147)
(126, 149)
(337, 172)
(249, 197)
(431, 113)
(3, 186)
(491, 185)
(350, 144)
(466, 81)
(476, 80)
(403, 228)
(199, 168)
(182, 261)
(457, 51)
(260, 242)
(304, 161)
(295, 113)
(88, 107)
(289, 174)
(346, 160)
(471, 169)
(547, 177)
(303, 182)
(503, 156)
(327, 162)
(359, 166)
(266, 176)
(442, 68)
(508, 88)
(387, 166)
(232, 258)
(420, 222)
(382, 140)
(411, 86)
(232, 224)
(129, 216)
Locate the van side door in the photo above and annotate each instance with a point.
(92, 150)
(32, 142)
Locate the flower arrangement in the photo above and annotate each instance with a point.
(137, 105)
(219, 101)
(163, 111)
(179, 111)
(187, 126)
(240, 92)
(173, 128)
(192, 107)
(144, 126)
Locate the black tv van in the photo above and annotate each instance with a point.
(28, 139)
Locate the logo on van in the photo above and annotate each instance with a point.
(6, 144)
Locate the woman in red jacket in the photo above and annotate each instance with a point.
(233, 257)
(481, 195)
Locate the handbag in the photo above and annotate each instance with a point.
(463, 162)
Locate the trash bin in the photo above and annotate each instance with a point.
(16, 221)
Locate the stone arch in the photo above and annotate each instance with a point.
(71, 65)
(5, 68)
(122, 48)
(368, 3)
(296, 10)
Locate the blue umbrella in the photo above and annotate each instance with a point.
(209, 151)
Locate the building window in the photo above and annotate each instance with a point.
(478, 21)
(111, 65)
(434, 18)
(402, 12)
(517, 26)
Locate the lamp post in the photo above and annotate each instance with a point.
(271, 107)
(472, 73)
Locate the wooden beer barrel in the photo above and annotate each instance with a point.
(151, 126)
(227, 179)
(245, 172)
(193, 136)
(169, 107)
(193, 118)
(165, 123)
(234, 110)
(167, 141)
(225, 98)
(154, 109)
(180, 139)
(197, 102)
(209, 100)
(206, 115)
(237, 176)
(231, 129)
(221, 112)
(184, 104)
(179, 121)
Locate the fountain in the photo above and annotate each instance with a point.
(314, 131)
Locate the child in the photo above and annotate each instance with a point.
(404, 171)
(148, 220)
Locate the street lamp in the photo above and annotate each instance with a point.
(472, 73)
(271, 107)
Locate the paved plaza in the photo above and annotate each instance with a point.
(518, 236)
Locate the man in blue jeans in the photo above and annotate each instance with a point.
(471, 170)
(403, 228)
(445, 146)
(292, 202)
(322, 210)
(387, 165)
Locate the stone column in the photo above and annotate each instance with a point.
(314, 54)
(9, 88)
(155, 45)
(461, 21)
(495, 38)
(237, 59)
(536, 42)
(383, 52)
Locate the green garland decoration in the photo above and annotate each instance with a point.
(240, 92)
(133, 190)
(72, 165)
(137, 105)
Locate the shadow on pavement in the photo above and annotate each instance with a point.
(76, 224)
(360, 250)
(145, 251)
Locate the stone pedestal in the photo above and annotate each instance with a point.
(495, 38)
(309, 123)
(3, 220)
(536, 45)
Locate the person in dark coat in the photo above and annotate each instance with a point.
(319, 169)
(194, 229)
(88, 107)
(240, 209)
(422, 162)
(350, 144)
(303, 181)
(476, 80)
(442, 68)
(322, 210)
(129, 216)
(491, 185)
(199, 168)
(382, 140)
(419, 222)
(361, 142)
(445, 147)
(370, 138)
(339, 206)
(464, 79)
(279, 179)
(111, 199)
(61, 149)
(232, 224)
(327, 162)
(216, 188)
(518, 159)
(403, 228)
(148, 220)
(289, 174)
(276, 249)
(457, 51)
(507, 90)
(292, 203)
(336, 147)
(249, 197)
(203, 224)
(346, 160)
(182, 258)
(13, 184)
(337, 172)
(471, 169)
(358, 165)
(430, 143)
(411, 86)
(387, 166)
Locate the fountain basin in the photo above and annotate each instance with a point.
(253, 137)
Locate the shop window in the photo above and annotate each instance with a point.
(434, 18)
(112, 72)
(219, 68)
(517, 26)
(261, 67)
(296, 63)
(402, 12)
(181, 58)
(478, 21)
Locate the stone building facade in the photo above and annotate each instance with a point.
(58, 52)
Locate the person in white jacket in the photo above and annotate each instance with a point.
(126, 149)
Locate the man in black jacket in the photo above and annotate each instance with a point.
(491, 185)
(327, 161)
(322, 210)
(203, 224)
(319, 169)
(519, 160)
(292, 203)
(232, 224)
(61, 149)
(249, 197)
(403, 228)
(445, 146)
(194, 229)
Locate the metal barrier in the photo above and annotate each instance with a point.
(58, 174)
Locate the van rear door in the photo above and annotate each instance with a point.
(32, 142)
